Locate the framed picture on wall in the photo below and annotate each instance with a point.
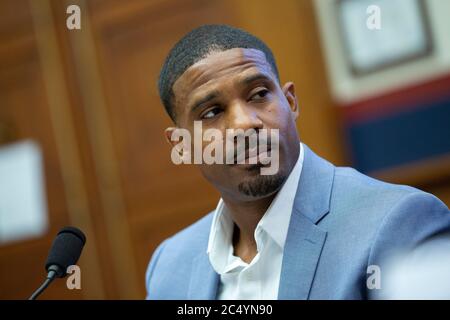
(402, 34)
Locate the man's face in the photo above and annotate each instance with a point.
(237, 89)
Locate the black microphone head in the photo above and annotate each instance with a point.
(66, 250)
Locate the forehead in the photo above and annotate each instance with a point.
(217, 68)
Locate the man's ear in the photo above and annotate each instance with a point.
(289, 93)
(180, 141)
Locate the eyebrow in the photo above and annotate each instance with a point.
(251, 78)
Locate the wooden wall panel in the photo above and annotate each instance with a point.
(24, 107)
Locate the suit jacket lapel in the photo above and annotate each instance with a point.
(305, 239)
(300, 258)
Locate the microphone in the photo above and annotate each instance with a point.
(65, 251)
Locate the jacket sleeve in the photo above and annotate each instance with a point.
(418, 220)
(151, 268)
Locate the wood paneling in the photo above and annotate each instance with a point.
(24, 106)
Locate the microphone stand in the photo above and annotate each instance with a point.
(54, 271)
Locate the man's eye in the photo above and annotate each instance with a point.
(211, 113)
(261, 94)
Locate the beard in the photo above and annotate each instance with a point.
(262, 185)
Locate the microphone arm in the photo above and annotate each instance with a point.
(53, 272)
(50, 277)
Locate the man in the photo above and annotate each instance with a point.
(309, 231)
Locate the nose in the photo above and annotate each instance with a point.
(244, 117)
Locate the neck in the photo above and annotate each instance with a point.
(246, 216)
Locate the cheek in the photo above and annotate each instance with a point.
(211, 172)
(277, 115)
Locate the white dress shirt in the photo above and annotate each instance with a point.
(260, 278)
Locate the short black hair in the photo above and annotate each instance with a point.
(196, 45)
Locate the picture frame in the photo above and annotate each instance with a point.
(404, 34)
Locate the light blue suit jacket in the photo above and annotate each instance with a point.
(342, 222)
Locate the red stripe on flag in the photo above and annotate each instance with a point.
(400, 100)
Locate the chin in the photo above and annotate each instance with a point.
(261, 186)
